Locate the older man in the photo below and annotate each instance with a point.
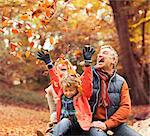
(110, 101)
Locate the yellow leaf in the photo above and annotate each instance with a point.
(27, 54)
(51, 40)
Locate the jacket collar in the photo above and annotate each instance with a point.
(113, 77)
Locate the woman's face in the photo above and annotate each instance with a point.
(62, 69)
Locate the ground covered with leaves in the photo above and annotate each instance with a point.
(18, 121)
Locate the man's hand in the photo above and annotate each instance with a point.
(100, 125)
(87, 54)
(44, 56)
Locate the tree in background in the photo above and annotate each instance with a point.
(136, 71)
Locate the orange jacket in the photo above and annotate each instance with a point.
(121, 115)
(81, 105)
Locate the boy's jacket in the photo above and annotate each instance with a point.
(80, 101)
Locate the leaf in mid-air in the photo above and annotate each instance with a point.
(27, 54)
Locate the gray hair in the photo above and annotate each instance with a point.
(114, 53)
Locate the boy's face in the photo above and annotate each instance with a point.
(70, 91)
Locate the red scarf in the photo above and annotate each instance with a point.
(104, 88)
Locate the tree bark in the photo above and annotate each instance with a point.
(138, 92)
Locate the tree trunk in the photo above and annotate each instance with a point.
(138, 92)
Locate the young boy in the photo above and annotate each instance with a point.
(73, 110)
(62, 67)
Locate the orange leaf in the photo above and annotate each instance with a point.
(24, 17)
(31, 44)
(51, 40)
(46, 1)
(48, 13)
(29, 33)
(27, 54)
(13, 46)
(15, 31)
(19, 54)
(5, 23)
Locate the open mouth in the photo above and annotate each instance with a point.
(101, 59)
(63, 69)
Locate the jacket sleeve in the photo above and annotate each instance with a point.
(54, 80)
(124, 110)
(86, 79)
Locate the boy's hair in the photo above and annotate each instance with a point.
(114, 54)
(71, 80)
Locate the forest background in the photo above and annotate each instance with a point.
(64, 27)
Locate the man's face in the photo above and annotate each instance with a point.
(105, 59)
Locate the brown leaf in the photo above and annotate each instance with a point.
(45, 22)
(12, 46)
(36, 12)
(20, 43)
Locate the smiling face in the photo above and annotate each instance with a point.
(62, 69)
(63, 66)
(70, 85)
(70, 91)
(107, 58)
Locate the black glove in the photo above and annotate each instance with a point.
(87, 54)
(41, 55)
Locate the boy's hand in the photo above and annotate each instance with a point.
(44, 56)
(87, 54)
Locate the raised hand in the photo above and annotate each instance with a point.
(87, 54)
(44, 56)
